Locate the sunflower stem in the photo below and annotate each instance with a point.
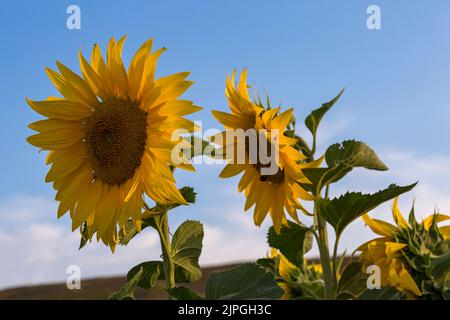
(325, 260)
(335, 256)
(164, 236)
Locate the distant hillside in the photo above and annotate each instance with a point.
(99, 288)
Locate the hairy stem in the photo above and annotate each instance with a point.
(335, 256)
(325, 260)
(164, 236)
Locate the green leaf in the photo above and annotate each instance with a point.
(183, 293)
(312, 121)
(127, 291)
(248, 281)
(151, 271)
(293, 241)
(340, 212)
(353, 154)
(352, 281)
(386, 293)
(341, 159)
(186, 249)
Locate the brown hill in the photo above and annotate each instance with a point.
(99, 288)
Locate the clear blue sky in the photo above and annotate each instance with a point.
(300, 52)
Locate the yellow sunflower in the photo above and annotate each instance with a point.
(386, 252)
(109, 137)
(275, 193)
(292, 275)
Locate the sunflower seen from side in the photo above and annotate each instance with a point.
(403, 251)
(109, 137)
(273, 194)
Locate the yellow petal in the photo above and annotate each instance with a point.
(136, 68)
(391, 248)
(65, 161)
(231, 121)
(116, 68)
(71, 188)
(61, 109)
(262, 204)
(282, 120)
(277, 208)
(87, 203)
(407, 282)
(148, 73)
(231, 170)
(91, 77)
(78, 85)
(178, 108)
(398, 217)
(107, 209)
(445, 231)
(56, 134)
(429, 220)
(379, 227)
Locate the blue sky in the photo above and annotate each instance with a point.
(300, 52)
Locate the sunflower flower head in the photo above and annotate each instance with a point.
(273, 193)
(403, 252)
(109, 137)
(305, 281)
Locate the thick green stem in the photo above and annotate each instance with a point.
(325, 260)
(164, 236)
(335, 256)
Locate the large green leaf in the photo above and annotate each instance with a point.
(313, 119)
(341, 159)
(340, 212)
(248, 281)
(127, 291)
(352, 281)
(151, 271)
(293, 241)
(186, 248)
(353, 154)
(183, 293)
(386, 293)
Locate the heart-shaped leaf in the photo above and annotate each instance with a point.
(340, 212)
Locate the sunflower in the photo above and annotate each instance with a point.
(295, 281)
(274, 193)
(400, 244)
(109, 137)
